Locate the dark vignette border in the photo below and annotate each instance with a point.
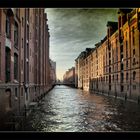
(69, 4)
(69, 136)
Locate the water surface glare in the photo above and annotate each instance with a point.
(65, 109)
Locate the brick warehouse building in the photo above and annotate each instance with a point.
(24, 59)
(113, 65)
(69, 77)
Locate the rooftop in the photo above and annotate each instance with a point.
(125, 11)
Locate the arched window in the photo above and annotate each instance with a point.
(15, 66)
(16, 35)
(122, 77)
(117, 77)
(126, 76)
(133, 51)
(8, 26)
(134, 75)
(7, 64)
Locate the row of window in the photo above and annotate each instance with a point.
(8, 65)
(122, 87)
(121, 77)
(9, 95)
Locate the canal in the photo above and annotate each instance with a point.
(66, 109)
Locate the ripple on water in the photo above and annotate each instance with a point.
(70, 110)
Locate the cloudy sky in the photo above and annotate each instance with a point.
(73, 30)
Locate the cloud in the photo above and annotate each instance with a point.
(73, 30)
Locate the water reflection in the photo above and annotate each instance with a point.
(65, 109)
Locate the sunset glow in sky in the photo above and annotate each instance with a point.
(74, 30)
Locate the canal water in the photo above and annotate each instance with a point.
(66, 109)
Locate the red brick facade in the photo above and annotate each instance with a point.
(24, 58)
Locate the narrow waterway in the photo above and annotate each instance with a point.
(65, 109)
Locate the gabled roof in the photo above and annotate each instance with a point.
(98, 44)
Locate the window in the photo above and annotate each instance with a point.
(117, 77)
(133, 51)
(109, 87)
(134, 75)
(113, 78)
(8, 26)
(121, 66)
(22, 91)
(7, 64)
(109, 62)
(109, 54)
(121, 48)
(109, 69)
(126, 76)
(16, 92)
(133, 35)
(27, 95)
(122, 88)
(122, 77)
(15, 66)
(109, 78)
(16, 35)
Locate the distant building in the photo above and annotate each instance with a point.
(69, 76)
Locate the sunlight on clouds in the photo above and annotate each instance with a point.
(73, 30)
